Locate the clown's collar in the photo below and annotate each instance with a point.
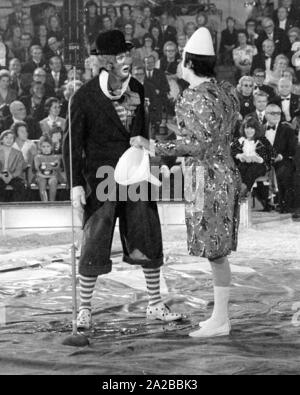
(103, 80)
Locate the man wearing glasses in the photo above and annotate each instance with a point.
(277, 35)
(282, 138)
(105, 114)
(265, 59)
(259, 76)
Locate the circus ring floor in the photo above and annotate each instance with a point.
(36, 303)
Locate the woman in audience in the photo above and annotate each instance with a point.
(55, 29)
(7, 95)
(190, 29)
(243, 55)
(26, 146)
(229, 40)
(41, 38)
(147, 49)
(52, 108)
(48, 167)
(280, 66)
(156, 34)
(129, 35)
(139, 30)
(4, 54)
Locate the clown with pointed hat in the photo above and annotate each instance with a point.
(206, 115)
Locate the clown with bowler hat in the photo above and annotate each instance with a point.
(106, 113)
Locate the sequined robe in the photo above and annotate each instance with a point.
(206, 119)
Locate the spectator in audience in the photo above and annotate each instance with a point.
(26, 146)
(55, 29)
(169, 61)
(292, 13)
(253, 154)
(262, 9)
(57, 76)
(182, 41)
(148, 18)
(93, 21)
(125, 11)
(107, 23)
(278, 36)
(169, 33)
(48, 11)
(41, 38)
(287, 101)
(18, 81)
(35, 101)
(15, 18)
(282, 138)
(7, 95)
(23, 54)
(54, 48)
(14, 39)
(229, 40)
(294, 37)
(280, 66)
(139, 30)
(40, 75)
(56, 136)
(176, 21)
(259, 77)
(112, 12)
(243, 55)
(18, 114)
(4, 53)
(190, 29)
(157, 78)
(27, 25)
(129, 35)
(147, 49)
(156, 34)
(283, 20)
(12, 167)
(245, 91)
(4, 27)
(48, 167)
(151, 93)
(265, 60)
(261, 100)
(251, 30)
(36, 60)
(52, 108)
(290, 75)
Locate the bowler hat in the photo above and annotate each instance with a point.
(111, 43)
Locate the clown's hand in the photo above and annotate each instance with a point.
(140, 142)
(78, 198)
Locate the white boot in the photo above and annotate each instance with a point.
(219, 323)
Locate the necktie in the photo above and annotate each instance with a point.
(271, 128)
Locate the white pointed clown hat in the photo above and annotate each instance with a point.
(134, 167)
(201, 43)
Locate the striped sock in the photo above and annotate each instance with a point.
(152, 277)
(87, 286)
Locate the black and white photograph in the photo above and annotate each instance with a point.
(149, 191)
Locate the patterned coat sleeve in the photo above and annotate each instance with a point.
(266, 151)
(193, 131)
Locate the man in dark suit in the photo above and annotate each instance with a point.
(282, 138)
(265, 59)
(105, 114)
(158, 79)
(169, 33)
(287, 101)
(260, 102)
(35, 102)
(18, 81)
(36, 60)
(57, 76)
(278, 36)
(259, 76)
